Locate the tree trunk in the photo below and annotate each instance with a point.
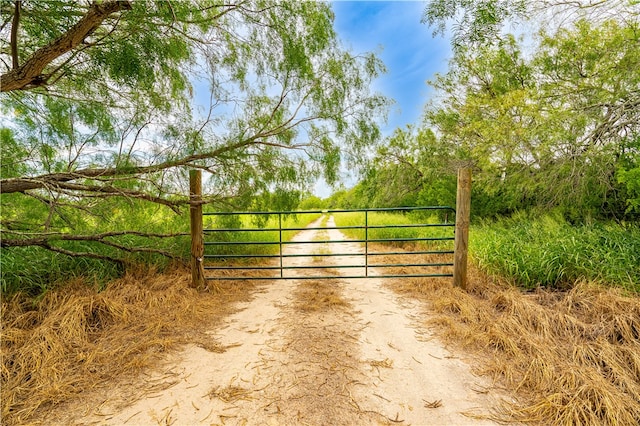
(30, 74)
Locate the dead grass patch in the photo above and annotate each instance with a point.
(319, 295)
(75, 339)
(570, 357)
(230, 393)
(385, 363)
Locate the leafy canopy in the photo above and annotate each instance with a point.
(549, 128)
(109, 102)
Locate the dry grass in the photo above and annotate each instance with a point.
(230, 393)
(319, 295)
(76, 339)
(570, 357)
(385, 363)
(322, 351)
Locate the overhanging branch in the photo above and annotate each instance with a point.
(49, 237)
(59, 180)
(29, 74)
(47, 240)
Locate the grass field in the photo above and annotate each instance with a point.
(532, 252)
(549, 252)
(394, 232)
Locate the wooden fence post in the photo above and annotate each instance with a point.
(197, 243)
(463, 207)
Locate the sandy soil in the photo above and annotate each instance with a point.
(319, 352)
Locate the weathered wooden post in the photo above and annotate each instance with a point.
(463, 207)
(197, 243)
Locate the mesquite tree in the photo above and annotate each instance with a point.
(548, 119)
(110, 102)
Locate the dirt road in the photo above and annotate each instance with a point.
(329, 352)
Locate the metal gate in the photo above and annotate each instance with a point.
(426, 239)
(459, 251)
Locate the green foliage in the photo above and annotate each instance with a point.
(631, 180)
(34, 270)
(477, 22)
(549, 252)
(546, 130)
(628, 174)
(280, 61)
(11, 164)
(312, 202)
(259, 94)
(411, 168)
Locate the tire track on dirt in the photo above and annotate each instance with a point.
(410, 378)
(307, 374)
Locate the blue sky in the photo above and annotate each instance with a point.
(392, 29)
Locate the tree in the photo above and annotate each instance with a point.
(481, 22)
(411, 168)
(551, 129)
(112, 101)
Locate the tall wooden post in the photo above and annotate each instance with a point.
(197, 242)
(463, 208)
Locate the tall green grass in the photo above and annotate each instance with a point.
(531, 251)
(34, 269)
(547, 251)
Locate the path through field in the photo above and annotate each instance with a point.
(331, 352)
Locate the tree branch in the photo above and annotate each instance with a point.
(14, 33)
(80, 253)
(30, 75)
(45, 241)
(108, 190)
(12, 185)
(56, 236)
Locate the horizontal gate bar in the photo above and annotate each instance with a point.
(323, 254)
(409, 225)
(240, 256)
(384, 253)
(321, 277)
(377, 240)
(233, 268)
(291, 212)
(398, 265)
(275, 256)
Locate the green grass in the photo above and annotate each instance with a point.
(383, 218)
(532, 251)
(33, 269)
(549, 252)
(251, 222)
